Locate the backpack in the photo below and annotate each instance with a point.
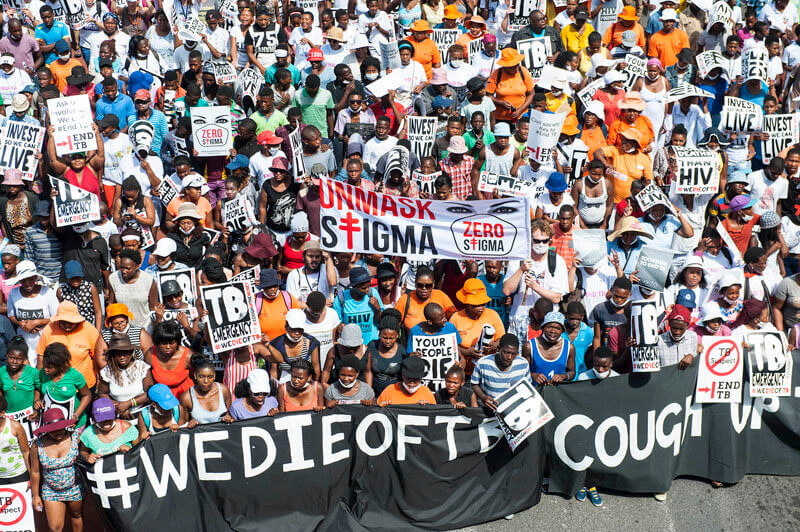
(287, 300)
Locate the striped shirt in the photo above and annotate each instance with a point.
(494, 381)
(234, 371)
(159, 121)
(44, 250)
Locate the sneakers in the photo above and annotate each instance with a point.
(595, 497)
(581, 495)
(508, 517)
(660, 497)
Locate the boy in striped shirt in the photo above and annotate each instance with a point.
(494, 374)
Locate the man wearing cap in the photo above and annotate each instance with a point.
(740, 222)
(318, 66)
(165, 249)
(360, 304)
(669, 41)
(410, 390)
(498, 157)
(12, 79)
(42, 245)
(575, 35)
(49, 32)
(82, 339)
(144, 111)
(318, 272)
(536, 29)
(115, 103)
(626, 21)
(22, 47)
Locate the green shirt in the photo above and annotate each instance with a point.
(315, 110)
(19, 393)
(470, 139)
(65, 390)
(271, 122)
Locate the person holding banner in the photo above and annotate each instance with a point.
(208, 401)
(410, 390)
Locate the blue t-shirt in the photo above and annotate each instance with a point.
(416, 330)
(718, 89)
(359, 312)
(662, 235)
(581, 344)
(495, 291)
(51, 35)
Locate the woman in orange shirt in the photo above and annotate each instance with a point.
(594, 131)
(426, 52)
(411, 304)
(611, 95)
(631, 108)
(510, 86)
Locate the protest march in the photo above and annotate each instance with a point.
(409, 265)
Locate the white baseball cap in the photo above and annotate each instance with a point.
(258, 379)
(296, 319)
(165, 247)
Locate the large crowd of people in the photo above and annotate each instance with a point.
(98, 354)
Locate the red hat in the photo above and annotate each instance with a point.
(142, 94)
(280, 163)
(53, 419)
(679, 312)
(315, 54)
(267, 137)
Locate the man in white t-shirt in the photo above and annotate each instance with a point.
(116, 146)
(321, 323)
(261, 162)
(543, 275)
(378, 145)
(315, 275)
(769, 186)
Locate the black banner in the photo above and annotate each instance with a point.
(351, 468)
(637, 432)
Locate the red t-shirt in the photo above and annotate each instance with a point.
(89, 181)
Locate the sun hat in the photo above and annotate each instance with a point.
(559, 83)
(53, 419)
(692, 261)
(679, 312)
(556, 182)
(722, 140)
(741, 202)
(20, 103)
(457, 145)
(117, 309)
(729, 278)
(120, 342)
(13, 177)
(489, 37)
(309, 245)
(25, 270)
(268, 278)
(359, 275)
(473, 292)
(279, 163)
(710, 311)
(67, 311)
(769, 219)
(628, 39)
(596, 108)
(687, 298)
(553, 317)
(296, 319)
(632, 134)
(599, 60)
(633, 100)
(413, 368)
(669, 14)
(258, 379)
(737, 176)
(261, 247)
(161, 395)
(351, 336)
(385, 270)
(421, 25)
(570, 126)
(502, 129)
(509, 57)
(613, 76)
(11, 249)
(439, 76)
(628, 13)
(628, 224)
(451, 11)
(193, 181)
(476, 19)
(335, 34)
(165, 247)
(188, 209)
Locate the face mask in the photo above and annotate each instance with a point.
(746, 217)
(274, 151)
(615, 305)
(80, 228)
(348, 386)
(557, 92)
(631, 150)
(411, 389)
(645, 291)
(185, 232)
(303, 387)
(655, 218)
(165, 266)
(63, 57)
(540, 249)
(715, 76)
(676, 338)
(371, 77)
(632, 242)
(602, 374)
(653, 77)
(592, 180)
(730, 301)
(455, 63)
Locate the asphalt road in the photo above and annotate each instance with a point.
(756, 503)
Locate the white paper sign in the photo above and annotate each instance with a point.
(211, 130)
(71, 117)
(521, 411)
(719, 375)
(696, 171)
(543, 133)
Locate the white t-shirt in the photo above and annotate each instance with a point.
(120, 39)
(299, 283)
(596, 286)
(334, 57)
(375, 148)
(260, 166)
(130, 166)
(163, 46)
(13, 83)
(181, 55)
(458, 77)
(484, 64)
(42, 306)
(767, 191)
(557, 282)
(791, 234)
(221, 40)
(323, 332)
(373, 35)
(301, 49)
(115, 150)
(546, 204)
(409, 76)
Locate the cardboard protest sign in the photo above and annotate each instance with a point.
(708, 61)
(577, 160)
(213, 235)
(248, 85)
(696, 171)
(390, 55)
(71, 118)
(721, 13)
(17, 511)
(167, 191)
(586, 241)
(636, 67)
(422, 134)
(72, 204)
(360, 221)
(535, 52)
(425, 181)
(644, 326)
(75, 13)
(169, 102)
(507, 185)
(397, 159)
(250, 275)
(474, 47)
(585, 94)
(549, 73)
(521, 411)
(653, 266)
(19, 143)
(740, 116)
(755, 63)
(543, 134)
(191, 29)
(652, 195)
(237, 214)
(784, 130)
(232, 317)
(719, 373)
(211, 130)
(186, 279)
(522, 10)
(367, 131)
(440, 352)
(684, 90)
(769, 365)
(299, 169)
(224, 72)
(444, 39)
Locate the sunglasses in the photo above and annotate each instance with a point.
(355, 101)
(426, 285)
(141, 102)
(260, 394)
(542, 241)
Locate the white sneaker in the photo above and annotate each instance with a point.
(660, 497)
(509, 517)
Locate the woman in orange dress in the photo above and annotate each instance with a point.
(510, 87)
(169, 359)
(594, 130)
